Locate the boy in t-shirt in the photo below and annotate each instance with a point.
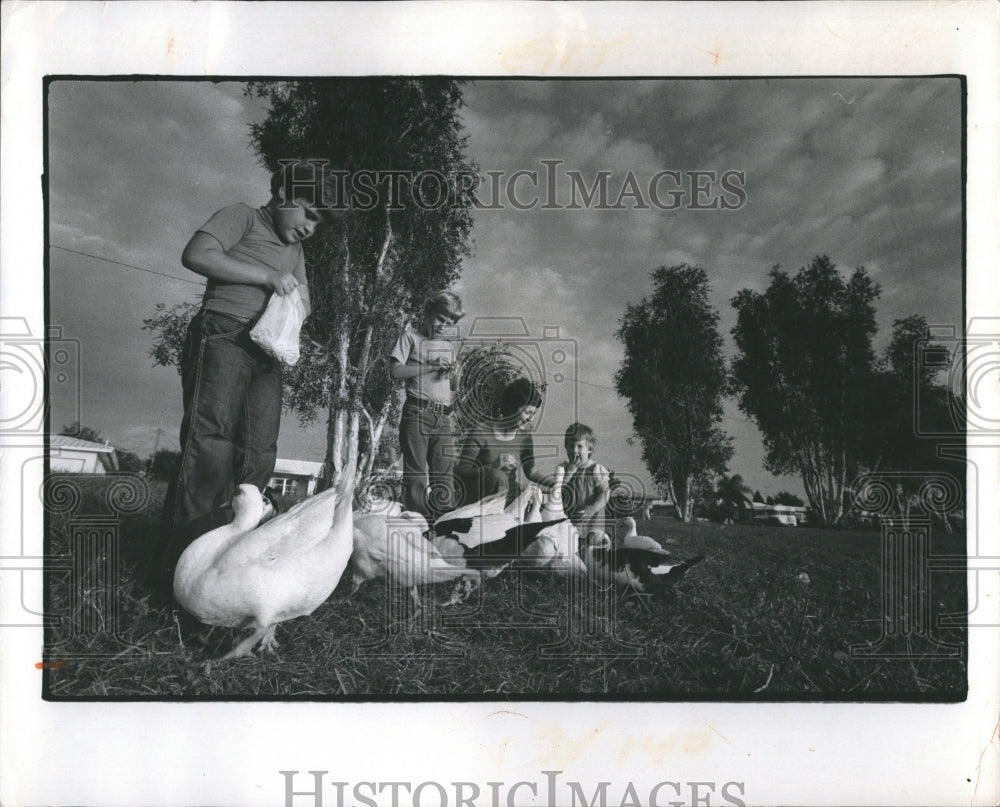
(231, 387)
(425, 359)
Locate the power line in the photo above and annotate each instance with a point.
(610, 389)
(198, 283)
(127, 265)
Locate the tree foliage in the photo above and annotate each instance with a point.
(804, 371)
(732, 497)
(487, 368)
(169, 329)
(913, 410)
(787, 498)
(163, 464)
(81, 432)
(369, 275)
(674, 378)
(130, 461)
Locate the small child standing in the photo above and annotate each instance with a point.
(426, 359)
(587, 484)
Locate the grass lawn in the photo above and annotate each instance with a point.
(771, 613)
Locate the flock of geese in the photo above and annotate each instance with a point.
(265, 568)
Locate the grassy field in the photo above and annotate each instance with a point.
(771, 613)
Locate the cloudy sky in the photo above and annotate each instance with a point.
(867, 171)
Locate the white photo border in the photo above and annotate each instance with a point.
(231, 753)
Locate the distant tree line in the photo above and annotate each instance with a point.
(805, 371)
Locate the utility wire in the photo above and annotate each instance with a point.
(127, 265)
(198, 283)
(610, 389)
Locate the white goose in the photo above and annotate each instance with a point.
(556, 547)
(492, 504)
(531, 536)
(632, 540)
(282, 569)
(396, 549)
(471, 527)
(642, 570)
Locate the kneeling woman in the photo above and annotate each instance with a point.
(492, 454)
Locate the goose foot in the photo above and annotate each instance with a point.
(264, 635)
(268, 643)
(461, 591)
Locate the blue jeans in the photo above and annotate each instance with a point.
(428, 456)
(229, 433)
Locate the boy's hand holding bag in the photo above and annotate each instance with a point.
(277, 330)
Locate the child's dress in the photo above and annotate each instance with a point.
(582, 489)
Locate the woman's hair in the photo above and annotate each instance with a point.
(579, 431)
(519, 393)
(446, 303)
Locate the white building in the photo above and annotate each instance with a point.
(295, 478)
(75, 456)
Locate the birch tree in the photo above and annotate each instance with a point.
(400, 145)
(674, 378)
(804, 371)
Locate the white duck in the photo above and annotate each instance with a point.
(282, 569)
(472, 527)
(642, 570)
(396, 549)
(531, 536)
(492, 504)
(556, 547)
(632, 540)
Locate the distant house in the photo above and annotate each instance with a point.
(75, 456)
(295, 479)
(659, 507)
(782, 514)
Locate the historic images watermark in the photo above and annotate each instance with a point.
(317, 788)
(547, 186)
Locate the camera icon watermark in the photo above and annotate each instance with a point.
(33, 369)
(969, 366)
(498, 350)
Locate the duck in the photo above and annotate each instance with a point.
(532, 535)
(472, 527)
(557, 546)
(492, 504)
(642, 570)
(245, 576)
(397, 549)
(631, 540)
(224, 515)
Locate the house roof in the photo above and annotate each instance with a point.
(298, 467)
(64, 441)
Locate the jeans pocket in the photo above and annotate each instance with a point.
(215, 325)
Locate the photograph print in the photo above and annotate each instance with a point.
(455, 388)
